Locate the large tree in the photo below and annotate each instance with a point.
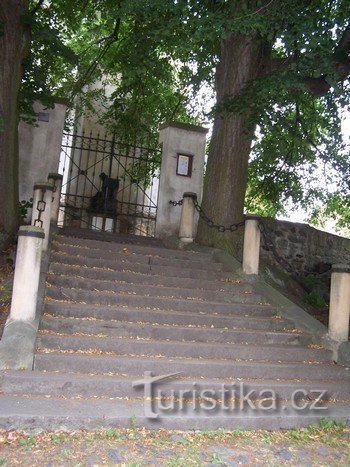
(281, 65)
(14, 47)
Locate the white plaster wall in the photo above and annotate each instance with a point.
(39, 147)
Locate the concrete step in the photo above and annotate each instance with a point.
(152, 290)
(131, 258)
(75, 384)
(109, 298)
(96, 235)
(23, 413)
(226, 285)
(131, 249)
(194, 368)
(235, 320)
(159, 348)
(180, 333)
(150, 269)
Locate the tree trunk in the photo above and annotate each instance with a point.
(243, 58)
(14, 42)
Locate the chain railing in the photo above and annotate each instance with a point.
(40, 207)
(268, 242)
(210, 223)
(177, 203)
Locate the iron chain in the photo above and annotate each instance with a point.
(40, 207)
(269, 244)
(177, 203)
(209, 222)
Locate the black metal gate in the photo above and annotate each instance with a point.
(108, 185)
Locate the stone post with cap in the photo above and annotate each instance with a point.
(55, 180)
(41, 213)
(27, 273)
(339, 305)
(251, 247)
(187, 220)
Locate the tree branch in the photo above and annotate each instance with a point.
(114, 37)
(341, 65)
(319, 86)
(37, 7)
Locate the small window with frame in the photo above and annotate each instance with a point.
(184, 165)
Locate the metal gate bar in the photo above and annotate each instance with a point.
(84, 159)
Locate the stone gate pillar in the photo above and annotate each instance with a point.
(182, 169)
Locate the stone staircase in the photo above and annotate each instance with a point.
(119, 309)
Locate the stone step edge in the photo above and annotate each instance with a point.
(214, 275)
(175, 342)
(238, 284)
(228, 280)
(143, 320)
(61, 238)
(165, 326)
(146, 258)
(204, 314)
(115, 377)
(153, 289)
(202, 361)
(140, 296)
(187, 255)
(27, 414)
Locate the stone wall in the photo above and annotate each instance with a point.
(306, 250)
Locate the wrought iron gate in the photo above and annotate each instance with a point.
(108, 185)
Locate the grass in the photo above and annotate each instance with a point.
(136, 445)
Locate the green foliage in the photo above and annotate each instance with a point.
(24, 205)
(315, 299)
(154, 57)
(315, 288)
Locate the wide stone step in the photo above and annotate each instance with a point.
(194, 368)
(81, 234)
(166, 303)
(75, 384)
(90, 234)
(131, 249)
(182, 349)
(227, 285)
(152, 290)
(23, 413)
(179, 333)
(128, 259)
(235, 320)
(150, 269)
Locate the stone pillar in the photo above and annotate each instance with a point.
(339, 306)
(186, 232)
(56, 181)
(39, 146)
(27, 272)
(181, 171)
(41, 214)
(251, 247)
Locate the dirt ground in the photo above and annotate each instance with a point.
(328, 445)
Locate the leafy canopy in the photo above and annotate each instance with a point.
(158, 54)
